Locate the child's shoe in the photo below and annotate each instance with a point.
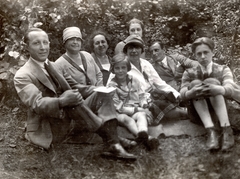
(152, 143)
(142, 137)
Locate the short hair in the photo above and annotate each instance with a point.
(203, 40)
(33, 29)
(133, 21)
(120, 57)
(158, 42)
(95, 33)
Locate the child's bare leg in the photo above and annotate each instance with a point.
(142, 125)
(128, 122)
(141, 121)
(150, 142)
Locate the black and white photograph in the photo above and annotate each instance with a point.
(119, 89)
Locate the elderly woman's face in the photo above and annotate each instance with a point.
(136, 29)
(73, 45)
(203, 54)
(100, 45)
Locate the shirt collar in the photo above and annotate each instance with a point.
(41, 64)
(164, 61)
(208, 68)
(159, 60)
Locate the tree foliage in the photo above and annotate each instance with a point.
(175, 22)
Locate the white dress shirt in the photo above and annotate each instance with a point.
(207, 69)
(153, 78)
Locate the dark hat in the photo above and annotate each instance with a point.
(203, 40)
(133, 39)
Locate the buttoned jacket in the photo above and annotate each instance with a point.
(173, 71)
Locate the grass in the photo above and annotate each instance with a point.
(180, 157)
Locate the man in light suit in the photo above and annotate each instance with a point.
(48, 121)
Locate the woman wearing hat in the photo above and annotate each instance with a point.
(165, 97)
(206, 87)
(79, 64)
(134, 26)
(82, 67)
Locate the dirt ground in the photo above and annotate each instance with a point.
(181, 157)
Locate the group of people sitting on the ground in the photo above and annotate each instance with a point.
(62, 96)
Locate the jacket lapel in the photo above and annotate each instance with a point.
(171, 64)
(213, 69)
(40, 75)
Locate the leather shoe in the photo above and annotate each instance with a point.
(227, 138)
(117, 151)
(212, 141)
(142, 137)
(126, 143)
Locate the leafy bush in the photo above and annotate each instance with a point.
(177, 23)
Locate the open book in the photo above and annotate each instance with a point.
(104, 89)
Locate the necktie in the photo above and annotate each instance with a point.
(205, 74)
(81, 111)
(54, 81)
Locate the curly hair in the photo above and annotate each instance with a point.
(95, 33)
